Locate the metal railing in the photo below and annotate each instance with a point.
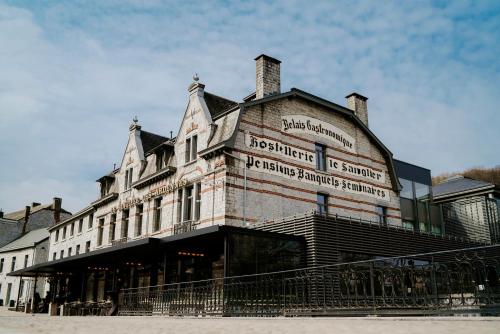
(184, 227)
(396, 285)
(119, 241)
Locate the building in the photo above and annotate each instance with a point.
(418, 212)
(27, 250)
(471, 208)
(35, 216)
(212, 201)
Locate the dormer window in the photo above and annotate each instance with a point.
(191, 148)
(128, 178)
(161, 160)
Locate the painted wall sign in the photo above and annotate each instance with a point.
(257, 143)
(317, 178)
(161, 190)
(272, 146)
(313, 126)
(356, 170)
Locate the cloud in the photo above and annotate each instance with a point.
(73, 74)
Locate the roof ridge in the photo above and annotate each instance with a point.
(220, 97)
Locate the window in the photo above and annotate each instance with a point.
(194, 147)
(57, 236)
(64, 233)
(112, 227)
(322, 204)
(87, 246)
(160, 159)
(91, 220)
(100, 231)
(125, 215)
(1, 265)
(407, 189)
(62, 254)
(21, 288)
(13, 264)
(138, 219)
(77, 250)
(157, 214)
(72, 229)
(128, 178)
(197, 202)
(188, 203)
(80, 226)
(130, 173)
(70, 250)
(188, 150)
(191, 148)
(54, 255)
(382, 214)
(179, 205)
(320, 157)
(26, 258)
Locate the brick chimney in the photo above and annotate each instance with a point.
(267, 76)
(357, 103)
(56, 206)
(26, 218)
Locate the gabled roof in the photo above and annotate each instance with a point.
(218, 105)
(19, 215)
(150, 140)
(294, 92)
(459, 185)
(30, 239)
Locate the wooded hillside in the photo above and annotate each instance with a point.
(491, 175)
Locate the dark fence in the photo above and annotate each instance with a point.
(399, 285)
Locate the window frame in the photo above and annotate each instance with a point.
(100, 231)
(191, 148)
(112, 227)
(322, 208)
(157, 211)
(382, 214)
(320, 156)
(139, 213)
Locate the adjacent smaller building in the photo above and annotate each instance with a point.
(470, 208)
(25, 251)
(32, 217)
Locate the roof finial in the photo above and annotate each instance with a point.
(135, 124)
(196, 77)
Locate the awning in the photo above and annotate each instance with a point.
(130, 251)
(141, 251)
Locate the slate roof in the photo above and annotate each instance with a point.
(28, 240)
(458, 184)
(218, 105)
(18, 215)
(150, 140)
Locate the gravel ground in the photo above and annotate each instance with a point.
(18, 323)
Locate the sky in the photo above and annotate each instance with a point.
(73, 74)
